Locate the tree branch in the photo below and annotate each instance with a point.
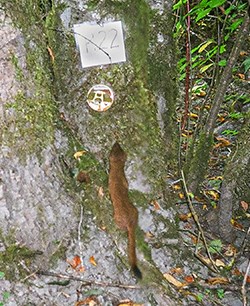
(86, 282)
(226, 77)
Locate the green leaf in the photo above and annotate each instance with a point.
(246, 64)
(191, 195)
(179, 4)
(216, 3)
(222, 49)
(222, 63)
(230, 132)
(202, 14)
(202, 4)
(199, 297)
(5, 295)
(215, 246)
(236, 115)
(1, 274)
(235, 24)
(204, 68)
(228, 10)
(220, 293)
(205, 45)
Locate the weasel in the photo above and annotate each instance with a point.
(125, 213)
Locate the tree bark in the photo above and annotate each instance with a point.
(236, 184)
(44, 207)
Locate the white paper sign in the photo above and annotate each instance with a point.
(100, 44)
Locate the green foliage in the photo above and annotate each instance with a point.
(5, 297)
(220, 293)
(215, 246)
(191, 195)
(10, 260)
(236, 116)
(215, 184)
(229, 132)
(5, 294)
(205, 54)
(246, 64)
(199, 297)
(204, 7)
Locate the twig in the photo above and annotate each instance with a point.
(30, 275)
(226, 287)
(86, 282)
(243, 287)
(86, 38)
(226, 77)
(79, 235)
(196, 219)
(244, 241)
(188, 68)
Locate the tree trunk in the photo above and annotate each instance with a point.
(47, 212)
(236, 184)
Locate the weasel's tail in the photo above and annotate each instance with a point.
(132, 253)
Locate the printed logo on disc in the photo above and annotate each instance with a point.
(100, 98)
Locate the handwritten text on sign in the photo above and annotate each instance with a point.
(100, 44)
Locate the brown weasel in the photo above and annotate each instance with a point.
(125, 213)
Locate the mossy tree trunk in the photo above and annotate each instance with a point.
(236, 184)
(48, 120)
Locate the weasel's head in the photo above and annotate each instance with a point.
(117, 153)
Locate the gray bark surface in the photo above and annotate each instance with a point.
(236, 184)
(39, 211)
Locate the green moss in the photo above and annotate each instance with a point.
(35, 107)
(198, 167)
(138, 198)
(15, 259)
(59, 254)
(33, 126)
(142, 245)
(135, 107)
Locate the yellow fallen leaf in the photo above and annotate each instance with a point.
(176, 187)
(100, 193)
(181, 195)
(149, 235)
(230, 251)
(214, 194)
(185, 217)
(218, 280)
(219, 263)
(241, 76)
(176, 270)
(51, 53)
(128, 303)
(92, 261)
(193, 115)
(222, 142)
(201, 93)
(218, 177)
(173, 280)
(78, 154)
(243, 53)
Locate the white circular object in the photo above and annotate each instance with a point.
(100, 97)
